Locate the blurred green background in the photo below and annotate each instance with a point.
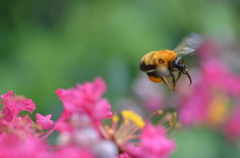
(51, 44)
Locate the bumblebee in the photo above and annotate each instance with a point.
(162, 63)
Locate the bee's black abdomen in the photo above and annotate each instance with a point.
(145, 67)
(153, 73)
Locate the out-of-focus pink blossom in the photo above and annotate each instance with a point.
(154, 102)
(73, 152)
(193, 109)
(232, 126)
(14, 146)
(217, 74)
(153, 144)
(149, 93)
(208, 50)
(86, 99)
(44, 121)
(215, 71)
(215, 79)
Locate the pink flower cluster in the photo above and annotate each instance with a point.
(214, 97)
(78, 128)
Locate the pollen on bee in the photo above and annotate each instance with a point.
(155, 79)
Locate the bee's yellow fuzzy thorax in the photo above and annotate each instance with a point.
(164, 57)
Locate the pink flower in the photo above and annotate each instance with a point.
(86, 99)
(84, 108)
(14, 105)
(232, 126)
(44, 121)
(153, 144)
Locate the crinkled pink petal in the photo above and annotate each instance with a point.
(16, 104)
(68, 97)
(44, 121)
(95, 89)
(102, 110)
(8, 113)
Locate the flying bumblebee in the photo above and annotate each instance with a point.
(161, 64)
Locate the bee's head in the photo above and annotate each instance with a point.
(178, 64)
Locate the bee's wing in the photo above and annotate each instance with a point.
(189, 45)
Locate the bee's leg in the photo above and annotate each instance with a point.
(166, 82)
(179, 74)
(173, 80)
(189, 77)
